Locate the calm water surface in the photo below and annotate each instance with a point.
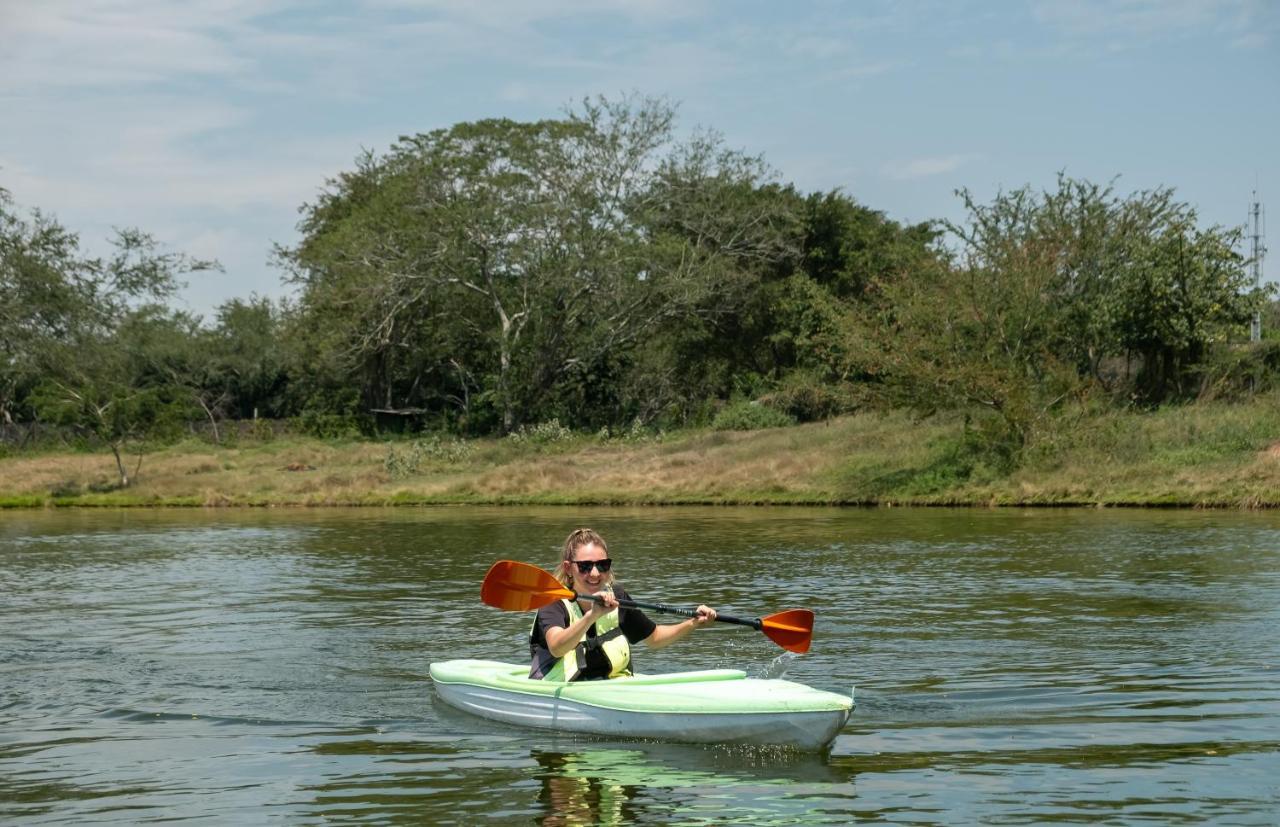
(271, 667)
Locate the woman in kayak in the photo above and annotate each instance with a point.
(585, 640)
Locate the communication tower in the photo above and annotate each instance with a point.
(1257, 249)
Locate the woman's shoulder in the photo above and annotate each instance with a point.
(554, 610)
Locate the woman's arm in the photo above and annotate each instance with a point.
(561, 640)
(668, 633)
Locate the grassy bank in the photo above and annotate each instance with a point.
(1199, 456)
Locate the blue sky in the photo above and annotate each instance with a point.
(209, 122)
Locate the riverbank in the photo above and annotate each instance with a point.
(1210, 455)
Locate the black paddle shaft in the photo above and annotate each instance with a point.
(754, 623)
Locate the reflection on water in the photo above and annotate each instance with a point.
(663, 784)
(578, 789)
(1012, 666)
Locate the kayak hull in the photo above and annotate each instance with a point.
(721, 706)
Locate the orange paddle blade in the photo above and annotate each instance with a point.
(792, 630)
(519, 587)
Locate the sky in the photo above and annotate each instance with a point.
(209, 123)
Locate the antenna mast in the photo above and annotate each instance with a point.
(1257, 250)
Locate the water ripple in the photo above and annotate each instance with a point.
(1012, 667)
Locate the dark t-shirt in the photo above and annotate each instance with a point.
(634, 623)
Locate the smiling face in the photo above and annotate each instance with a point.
(594, 580)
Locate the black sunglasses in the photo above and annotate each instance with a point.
(584, 566)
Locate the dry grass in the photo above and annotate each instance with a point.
(1197, 456)
(698, 466)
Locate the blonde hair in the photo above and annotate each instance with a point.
(578, 538)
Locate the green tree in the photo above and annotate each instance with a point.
(170, 351)
(1044, 294)
(232, 368)
(107, 406)
(1187, 294)
(46, 290)
(964, 337)
(505, 267)
(1122, 277)
(847, 246)
(847, 250)
(250, 366)
(119, 386)
(61, 317)
(720, 216)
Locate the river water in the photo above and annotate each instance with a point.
(271, 666)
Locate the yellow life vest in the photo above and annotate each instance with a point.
(611, 641)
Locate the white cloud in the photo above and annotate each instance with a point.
(869, 70)
(522, 14)
(819, 47)
(1146, 19)
(109, 43)
(1252, 40)
(928, 167)
(150, 151)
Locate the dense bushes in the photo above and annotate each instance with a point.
(750, 416)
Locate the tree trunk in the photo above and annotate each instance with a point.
(217, 438)
(504, 369)
(124, 474)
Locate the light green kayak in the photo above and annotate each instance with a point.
(711, 706)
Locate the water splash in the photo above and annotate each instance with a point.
(778, 666)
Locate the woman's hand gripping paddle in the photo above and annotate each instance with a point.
(520, 587)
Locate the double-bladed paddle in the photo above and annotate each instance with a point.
(520, 587)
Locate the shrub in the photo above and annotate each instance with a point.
(408, 461)
(808, 399)
(1233, 373)
(636, 433)
(544, 433)
(750, 416)
(67, 488)
(328, 425)
(980, 453)
(262, 430)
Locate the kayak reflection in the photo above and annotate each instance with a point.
(574, 793)
(611, 786)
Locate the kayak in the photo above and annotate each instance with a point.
(720, 706)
